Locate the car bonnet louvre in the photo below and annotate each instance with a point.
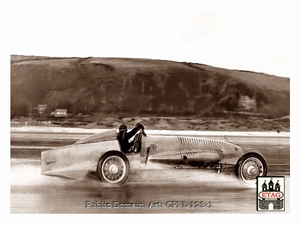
(184, 141)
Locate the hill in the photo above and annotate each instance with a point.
(127, 87)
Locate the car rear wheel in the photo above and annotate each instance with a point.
(250, 166)
(113, 167)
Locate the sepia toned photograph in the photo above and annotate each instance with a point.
(116, 135)
(149, 112)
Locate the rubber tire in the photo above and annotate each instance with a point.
(102, 160)
(240, 162)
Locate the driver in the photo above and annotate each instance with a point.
(123, 137)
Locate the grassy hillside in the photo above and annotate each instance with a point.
(120, 87)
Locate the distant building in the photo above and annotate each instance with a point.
(41, 108)
(59, 113)
(247, 104)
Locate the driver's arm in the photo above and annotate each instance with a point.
(137, 127)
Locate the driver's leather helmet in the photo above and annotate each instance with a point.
(122, 127)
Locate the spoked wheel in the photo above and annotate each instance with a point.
(250, 166)
(113, 167)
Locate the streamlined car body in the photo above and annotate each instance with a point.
(100, 156)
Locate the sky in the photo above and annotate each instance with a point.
(231, 36)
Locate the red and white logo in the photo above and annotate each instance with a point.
(270, 193)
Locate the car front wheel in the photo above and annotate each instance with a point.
(113, 167)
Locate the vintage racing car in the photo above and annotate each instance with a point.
(100, 155)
